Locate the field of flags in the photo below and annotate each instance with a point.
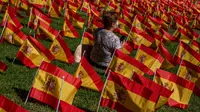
(157, 69)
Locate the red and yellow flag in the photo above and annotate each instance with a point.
(37, 3)
(61, 51)
(48, 83)
(3, 67)
(155, 23)
(65, 107)
(95, 24)
(88, 39)
(169, 61)
(90, 79)
(185, 52)
(13, 35)
(165, 35)
(127, 48)
(54, 11)
(140, 23)
(124, 27)
(124, 95)
(140, 37)
(7, 105)
(10, 16)
(182, 89)
(195, 46)
(68, 29)
(149, 57)
(148, 83)
(76, 19)
(49, 31)
(126, 65)
(36, 16)
(31, 53)
(72, 6)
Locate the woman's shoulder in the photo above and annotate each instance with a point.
(106, 33)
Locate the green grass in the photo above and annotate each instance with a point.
(17, 80)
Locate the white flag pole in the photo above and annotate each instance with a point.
(103, 91)
(4, 27)
(33, 82)
(63, 77)
(30, 16)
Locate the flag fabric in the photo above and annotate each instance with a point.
(7, 105)
(65, 107)
(54, 11)
(10, 16)
(124, 95)
(72, 6)
(49, 31)
(48, 82)
(148, 83)
(24, 5)
(124, 27)
(185, 52)
(37, 3)
(13, 35)
(195, 46)
(90, 79)
(127, 48)
(3, 67)
(149, 57)
(139, 22)
(61, 51)
(94, 25)
(165, 35)
(88, 39)
(182, 89)
(183, 36)
(125, 65)
(169, 61)
(36, 16)
(155, 24)
(140, 37)
(76, 19)
(69, 30)
(31, 53)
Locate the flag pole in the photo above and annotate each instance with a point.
(4, 27)
(30, 16)
(182, 58)
(83, 35)
(103, 91)
(33, 82)
(63, 77)
(176, 49)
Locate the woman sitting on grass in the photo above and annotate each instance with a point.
(105, 40)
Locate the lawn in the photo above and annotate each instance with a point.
(17, 80)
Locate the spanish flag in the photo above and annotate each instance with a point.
(148, 83)
(37, 3)
(61, 51)
(94, 25)
(124, 95)
(90, 79)
(76, 19)
(10, 16)
(165, 35)
(7, 105)
(72, 6)
(85, 6)
(88, 39)
(182, 88)
(139, 22)
(48, 82)
(124, 27)
(3, 67)
(31, 53)
(149, 57)
(36, 16)
(195, 46)
(54, 11)
(127, 16)
(65, 107)
(155, 23)
(49, 31)
(179, 24)
(127, 48)
(94, 11)
(190, 72)
(13, 35)
(140, 37)
(169, 61)
(125, 65)
(183, 36)
(68, 29)
(185, 52)
(24, 5)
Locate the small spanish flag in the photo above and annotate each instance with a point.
(65, 107)
(37, 3)
(127, 48)
(146, 82)
(68, 29)
(31, 53)
(10, 16)
(13, 35)
(3, 67)
(94, 25)
(90, 79)
(51, 82)
(165, 35)
(24, 5)
(139, 22)
(125, 65)
(195, 46)
(124, 27)
(124, 95)
(7, 105)
(182, 88)
(185, 52)
(140, 37)
(149, 57)
(88, 39)
(54, 11)
(61, 51)
(72, 6)
(76, 19)
(49, 31)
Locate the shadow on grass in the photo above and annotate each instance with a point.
(21, 93)
(16, 61)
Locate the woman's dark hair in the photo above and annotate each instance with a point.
(109, 18)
